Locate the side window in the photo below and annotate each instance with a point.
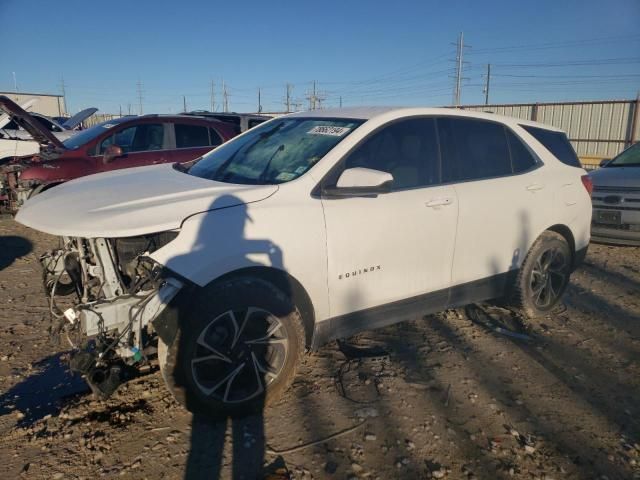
(215, 138)
(139, 138)
(123, 138)
(407, 149)
(472, 149)
(254, 121)
(189, 136)
(557, 143)
(521, 158)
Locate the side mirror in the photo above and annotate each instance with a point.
(111, 152)
(359, 182)
(604, 161)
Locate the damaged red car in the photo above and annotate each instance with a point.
(115, 144)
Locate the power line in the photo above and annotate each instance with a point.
(213, 96)
(140, 96)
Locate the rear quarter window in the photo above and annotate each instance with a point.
(557, 143)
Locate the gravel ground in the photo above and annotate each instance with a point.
(461, 395)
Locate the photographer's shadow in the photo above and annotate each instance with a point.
(224, 349)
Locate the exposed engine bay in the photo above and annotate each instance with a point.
(119, 291)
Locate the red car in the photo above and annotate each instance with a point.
(120, 143)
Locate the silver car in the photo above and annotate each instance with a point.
(616, 199)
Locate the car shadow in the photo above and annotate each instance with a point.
(44, 392)
(11, 248)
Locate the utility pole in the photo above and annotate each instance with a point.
(287, 101)
(315, 100)
(486, 86)
(120, 109)
(312, 97)
(184, 103)
(225, 96)
(259, 100)
(140, 97)
(340, 101)
(15, 82)
(128, 109)
(64, 93)
(457, 91)
(213, 97)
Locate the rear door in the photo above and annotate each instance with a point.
(142, 144)
(193, 140)
(503, 202)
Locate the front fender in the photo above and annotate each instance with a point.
(287, 235)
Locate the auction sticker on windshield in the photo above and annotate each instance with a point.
(329, 130)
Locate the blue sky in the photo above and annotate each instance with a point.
(367, 52)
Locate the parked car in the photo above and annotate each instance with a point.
(241, 121)
(112, 145)
(15, 141)
(62, 128)
(310, 227)
(616, 199)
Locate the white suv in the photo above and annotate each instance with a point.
(310, 227)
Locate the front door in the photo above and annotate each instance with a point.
(391, 250)
(142, 144)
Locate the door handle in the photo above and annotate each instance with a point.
(439, 202)
(534, 187)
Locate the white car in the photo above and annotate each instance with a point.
(310, 227)
(17, 142)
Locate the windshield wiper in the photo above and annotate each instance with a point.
(263, 175)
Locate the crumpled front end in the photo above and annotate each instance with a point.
(105, 294)
(17, 188)
(16, 192)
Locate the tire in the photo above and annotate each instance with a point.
(237, 348)
(543, 276)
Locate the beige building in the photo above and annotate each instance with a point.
(50, 105)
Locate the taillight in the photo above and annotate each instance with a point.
(588, 183)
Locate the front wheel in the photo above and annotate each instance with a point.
(237, 348)
(544, 275)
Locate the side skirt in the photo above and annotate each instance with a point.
(412, 308)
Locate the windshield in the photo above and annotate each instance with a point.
(85, 136)
(629, 158)
(276, 152)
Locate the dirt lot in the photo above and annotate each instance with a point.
(447, 396)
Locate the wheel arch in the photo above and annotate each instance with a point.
(567, 234)
(289, 285)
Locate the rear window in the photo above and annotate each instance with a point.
(472, 149)
(190, 136)
(521, 158)
(557, 143)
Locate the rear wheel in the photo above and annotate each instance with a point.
(237, 348)
(544, 275)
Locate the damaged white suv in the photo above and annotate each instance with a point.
(310, 227)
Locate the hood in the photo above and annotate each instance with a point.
(130, 202)
(5, 118)
(26, 121)
(616, 177)
(78, 118)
